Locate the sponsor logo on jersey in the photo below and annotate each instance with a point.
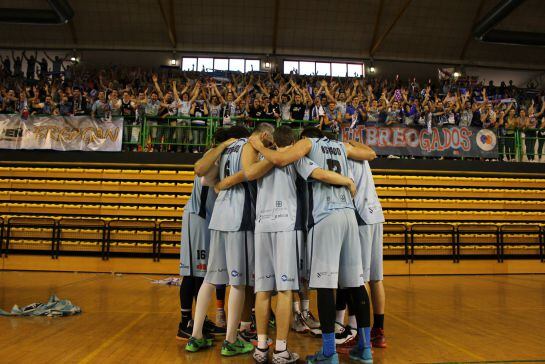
(201, 266)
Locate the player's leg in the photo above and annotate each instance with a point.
(185, 326)
(216, 274)
(351, 276)
(187, 288)
(220, 304)
(302, 295)
(240, 261)
(325, 245)
(286, 269)
(264, 285)
(378, 297)
(344, 334)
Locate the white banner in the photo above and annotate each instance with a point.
(61, 133)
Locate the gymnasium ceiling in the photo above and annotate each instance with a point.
(437, 31)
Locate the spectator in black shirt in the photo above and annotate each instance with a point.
(30, 65)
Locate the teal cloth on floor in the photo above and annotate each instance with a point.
(53, 307)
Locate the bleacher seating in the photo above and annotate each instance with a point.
(104, 212)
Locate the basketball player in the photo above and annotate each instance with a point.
(333, 237)
(370, 220)
(278, 230)
(194, 248)
(231, 259)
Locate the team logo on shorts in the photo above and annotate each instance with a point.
(284, 277)
(234, 273)
(486, 139)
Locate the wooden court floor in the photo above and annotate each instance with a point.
(126, 319)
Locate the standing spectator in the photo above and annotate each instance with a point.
(65, 106)
(43, 68)
(57, 64)
(9, 102)
(101, 108)
(79, 102)
(332, 118)
(30, 65)
(530, 131)
(541, 139)
(199, 109)
(6, 64)
(511, 125)
(17, 65)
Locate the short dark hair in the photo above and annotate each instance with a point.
(220, 135)
(237, 131)
(284, 136)
(311, 132)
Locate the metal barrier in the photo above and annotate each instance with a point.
(169, 232)
(439, 239)
(95, 237)
(1, 237)
(80, 237)
(522, 240)
(24, 231)
(478, 240)
(186, 133)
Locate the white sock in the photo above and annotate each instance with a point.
(296, 307)
(352, 322)
(281, 345)
(262, 342)
(203, 300)
(339, 317)
(234, 306)
(305, 305)
(245, 325)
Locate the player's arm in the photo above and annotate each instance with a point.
(334, 178)
(359, 151)
(251, 165)
(230, 181)
(203, 165)
(283, 158)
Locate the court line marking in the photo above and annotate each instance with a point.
(89, 357)
(437, 338)
(492, 362)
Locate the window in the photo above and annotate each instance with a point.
(355, 70)
(206, 64)
(291, 66)
(307, 68)
(338, 69)
(323, 69)
(189, 64)
(252, 65)
(221, 64)
(236, 64)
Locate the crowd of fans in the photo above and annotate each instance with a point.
(172, 97)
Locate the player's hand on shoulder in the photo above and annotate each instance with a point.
(229, 142)
(256, 142)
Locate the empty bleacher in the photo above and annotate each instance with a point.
(108, 212)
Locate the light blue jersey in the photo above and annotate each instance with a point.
(281, 197)
(234, 209)
(368, 207)
(202, 200)
(325, 198)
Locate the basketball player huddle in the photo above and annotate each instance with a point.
(274, 216)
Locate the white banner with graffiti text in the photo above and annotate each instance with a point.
(61, 133)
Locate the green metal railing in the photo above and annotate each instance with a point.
(522, 145)
(185, 133)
